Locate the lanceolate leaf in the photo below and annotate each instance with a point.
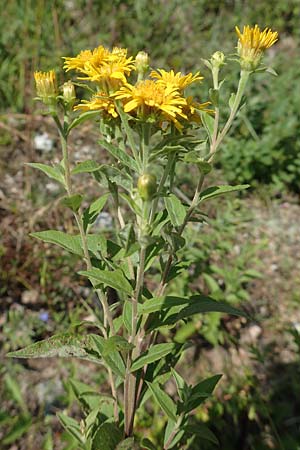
(175, 210)
(107, 437)
(91, 213)
(215, 191)
(86, 167)
(114, 279)
(53, 172)
(203, 305)
(63, 345)
(153, 354)
(208, 122)
(127, 444)
(177, 308)
(64, 240)
(164, 401)
(71, 426)
(202, 432)
(200, 392)
(82, 118)
(112, 358)
(73, 202)
(120, 155)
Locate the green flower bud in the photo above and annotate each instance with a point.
(69, 93)
(142, 64)
(147, 186)
(218, 59)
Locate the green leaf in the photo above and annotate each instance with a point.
(127, 444)
(88, 166)
(174, 309)
(82, 118)
(20, 426)
(64, 240)
(178, 436)
(182, 387)
(53, 172)
(73, 202)
(90, 399)
(113, 358)
(161, 303)
(127, 314)
(107, 437)
(116, 344)
(120, 155)
(164, 401)
(231, 100)
(147, 444)
(114, 279)
(71, 426)
(200, 392)
(175, 210)
(200, 304)
(91, 213)
(208, 122)
(15, 391)
(272, 71)
(62, 345)
(202, 432)
(215, 191)
(152, 354)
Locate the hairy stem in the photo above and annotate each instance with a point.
(87, 259)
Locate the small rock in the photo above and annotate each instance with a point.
(52, 187)
(104, 220)
(43, 142)
(251, 334)
(29, 296)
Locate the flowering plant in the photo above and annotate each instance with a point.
(148, 124)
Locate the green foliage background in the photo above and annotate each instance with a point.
(177, 34)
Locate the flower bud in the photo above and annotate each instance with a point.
(218, 59)
(46, 86)
(142, 64)
(69, 93)
(147, 186)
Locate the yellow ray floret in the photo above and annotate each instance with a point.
(96, 56)
(175, 80)
(253, 42)
(192, 107)
(151, 98)
(99, 102)
(45, 83)
(109, 69)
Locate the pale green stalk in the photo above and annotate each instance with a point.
(78, 218)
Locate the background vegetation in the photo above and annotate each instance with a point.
(248, 257)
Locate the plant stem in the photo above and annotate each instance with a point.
(163, 283)
(101, 296)
(238, 98)
(129, 135)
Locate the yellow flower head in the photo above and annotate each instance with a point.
(46, 86)
(109, 69)
(78, 62)
(149, 98)
(175, 80)
(252, 43)
(99, 102)
(192, 107)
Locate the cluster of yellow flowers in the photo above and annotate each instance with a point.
(159, 98)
